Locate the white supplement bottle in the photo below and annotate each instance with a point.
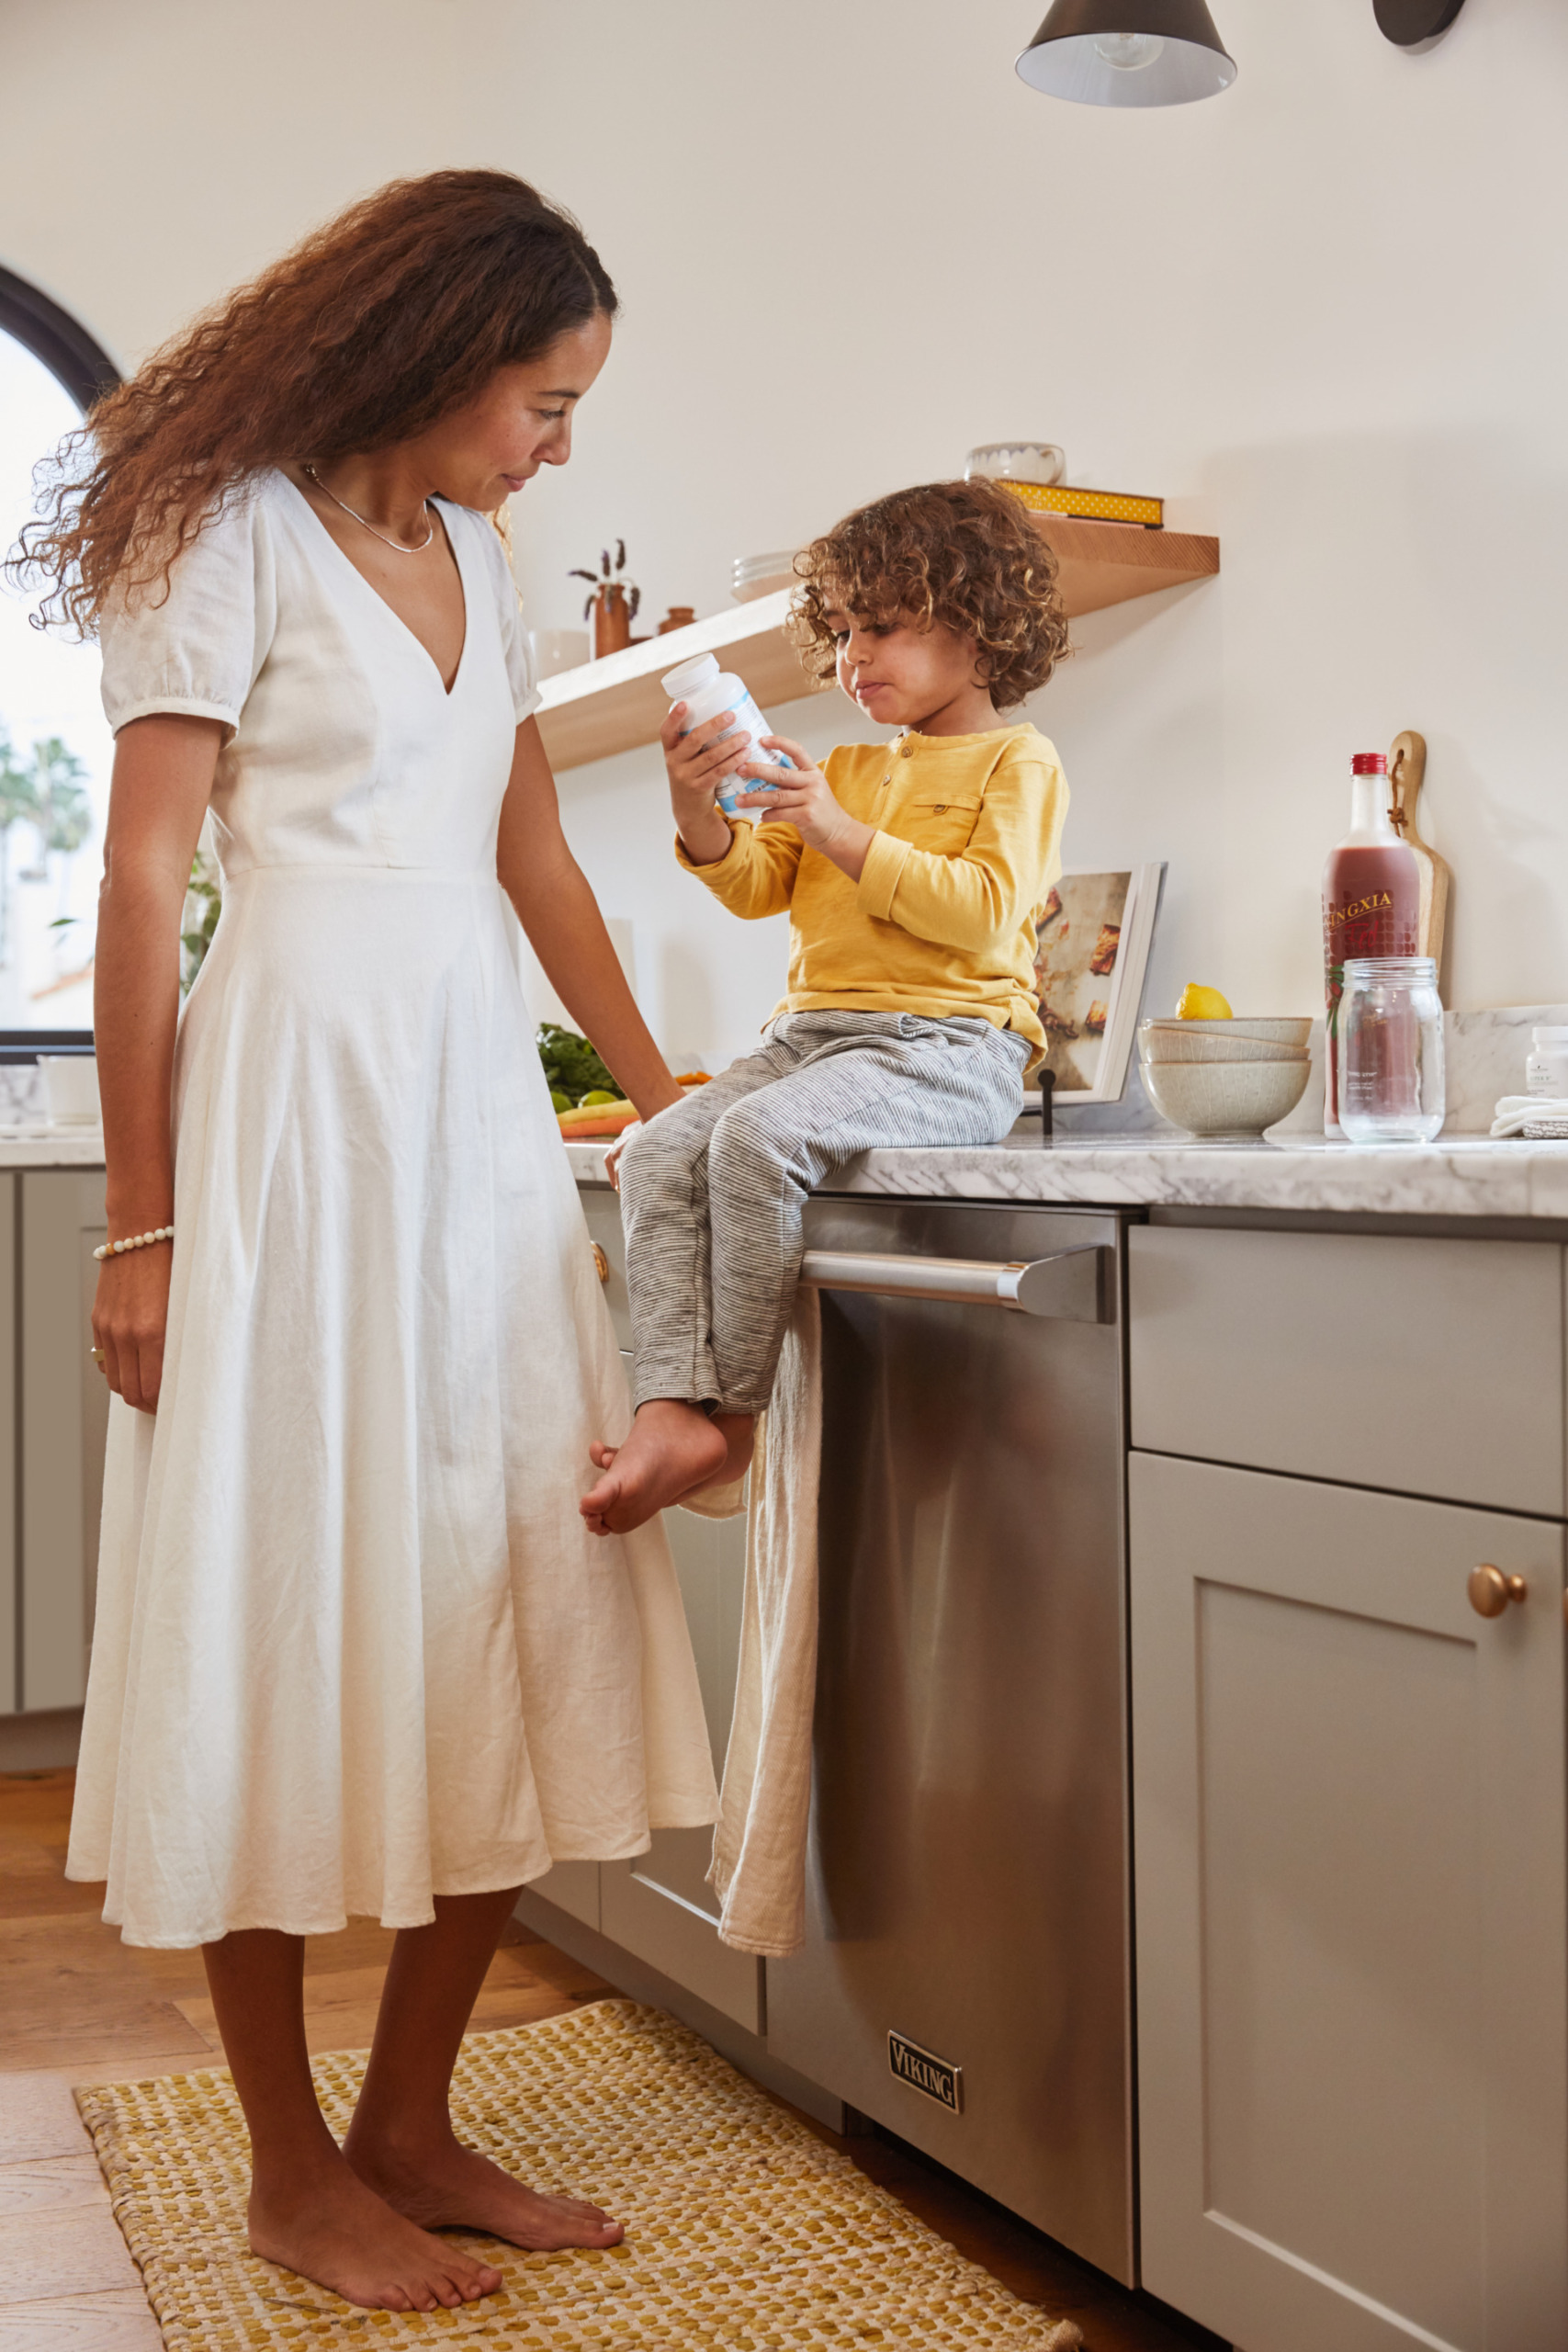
(705, 690)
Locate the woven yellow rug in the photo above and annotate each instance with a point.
(745, 2233)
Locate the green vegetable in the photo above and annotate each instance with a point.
(573, 1068)
(596, 1095)
(560, 1102)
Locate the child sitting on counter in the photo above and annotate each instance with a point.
(912, 872)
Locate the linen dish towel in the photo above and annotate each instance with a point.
(1530, 1115)
(759, 1846)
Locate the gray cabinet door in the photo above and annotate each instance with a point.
(1351, 1917)
(64, 1421)
(661, 1906)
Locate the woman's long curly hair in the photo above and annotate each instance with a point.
(385, 320)
(961, 554)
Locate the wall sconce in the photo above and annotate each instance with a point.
(1129, 53)
(1415, 24)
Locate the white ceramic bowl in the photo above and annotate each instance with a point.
(71, 1089)
(1173, 1045)
(1280, 1032)
(1225, 1098)
(1039, 461)
(763, 575)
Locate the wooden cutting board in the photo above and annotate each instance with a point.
(1406, 773)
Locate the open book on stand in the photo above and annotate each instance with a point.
(1094, 934)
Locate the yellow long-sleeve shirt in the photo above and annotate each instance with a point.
(941, 921)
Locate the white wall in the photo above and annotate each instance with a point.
(1323, 315)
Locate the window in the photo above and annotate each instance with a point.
(55, 749)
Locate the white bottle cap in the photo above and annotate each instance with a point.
(1551, 1037)
(688, 678)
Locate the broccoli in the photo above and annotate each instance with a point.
(571, 1066)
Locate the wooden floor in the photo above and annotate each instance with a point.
(77, 2006)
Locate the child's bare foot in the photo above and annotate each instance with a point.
(740, 1433)
(446, 2186)
(334, 2229)
(672, 1447)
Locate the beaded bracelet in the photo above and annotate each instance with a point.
(135, 1242)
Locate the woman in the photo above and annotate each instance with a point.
(355, 1651)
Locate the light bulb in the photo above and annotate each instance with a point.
(1128, 52)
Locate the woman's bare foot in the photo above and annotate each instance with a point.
(334, 2229)
(446, 2186)
(672, 1447)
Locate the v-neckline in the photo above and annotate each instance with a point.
(392, 614)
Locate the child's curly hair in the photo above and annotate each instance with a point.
(963, 553)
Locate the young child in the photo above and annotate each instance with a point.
(912, 872)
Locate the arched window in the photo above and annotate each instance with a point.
(55, 745)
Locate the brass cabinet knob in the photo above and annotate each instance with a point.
(603, 1263)
(1490, 1590)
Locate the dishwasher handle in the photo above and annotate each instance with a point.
(1069, 1286)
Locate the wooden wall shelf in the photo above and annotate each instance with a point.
(611, 705)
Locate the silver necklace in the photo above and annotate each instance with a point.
(374, 534)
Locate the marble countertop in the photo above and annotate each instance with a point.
(37, 1144)
(1461, 1175)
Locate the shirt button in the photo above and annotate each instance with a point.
(906, 751)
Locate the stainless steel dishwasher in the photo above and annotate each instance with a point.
(967, 1979)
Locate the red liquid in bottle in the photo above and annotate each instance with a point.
(1371, 904)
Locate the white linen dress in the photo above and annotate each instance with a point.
(354, 1645)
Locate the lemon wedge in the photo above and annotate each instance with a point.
(1203, 1004)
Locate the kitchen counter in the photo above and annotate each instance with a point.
(42, 1146)
(1459, 1176)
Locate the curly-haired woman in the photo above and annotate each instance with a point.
(912, 872)
(356, 1652)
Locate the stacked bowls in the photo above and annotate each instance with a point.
(1225, 1077)
(763, 575)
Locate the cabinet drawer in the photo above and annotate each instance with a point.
(1431, 1367)
(602, 1207)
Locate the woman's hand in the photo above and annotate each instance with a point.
(801, 796)
(130, 1315)
(697, 765)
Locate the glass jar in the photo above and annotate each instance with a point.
(1391, 1023)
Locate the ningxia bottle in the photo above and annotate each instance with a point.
(1372, 903)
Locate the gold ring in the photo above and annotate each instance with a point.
(97, 1356)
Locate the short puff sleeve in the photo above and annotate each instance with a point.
(198, 649)
(515, 642)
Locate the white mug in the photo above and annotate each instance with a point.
(71, 1089)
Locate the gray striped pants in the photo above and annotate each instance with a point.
(713, 1191)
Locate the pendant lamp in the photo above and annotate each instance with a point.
(1128, 53)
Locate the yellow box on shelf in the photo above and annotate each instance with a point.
(1097, 505)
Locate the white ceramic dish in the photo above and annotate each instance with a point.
(1172, 1045)
(763, 575)
(1039, 461)
(1280, 1030)
(1237, 1099)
